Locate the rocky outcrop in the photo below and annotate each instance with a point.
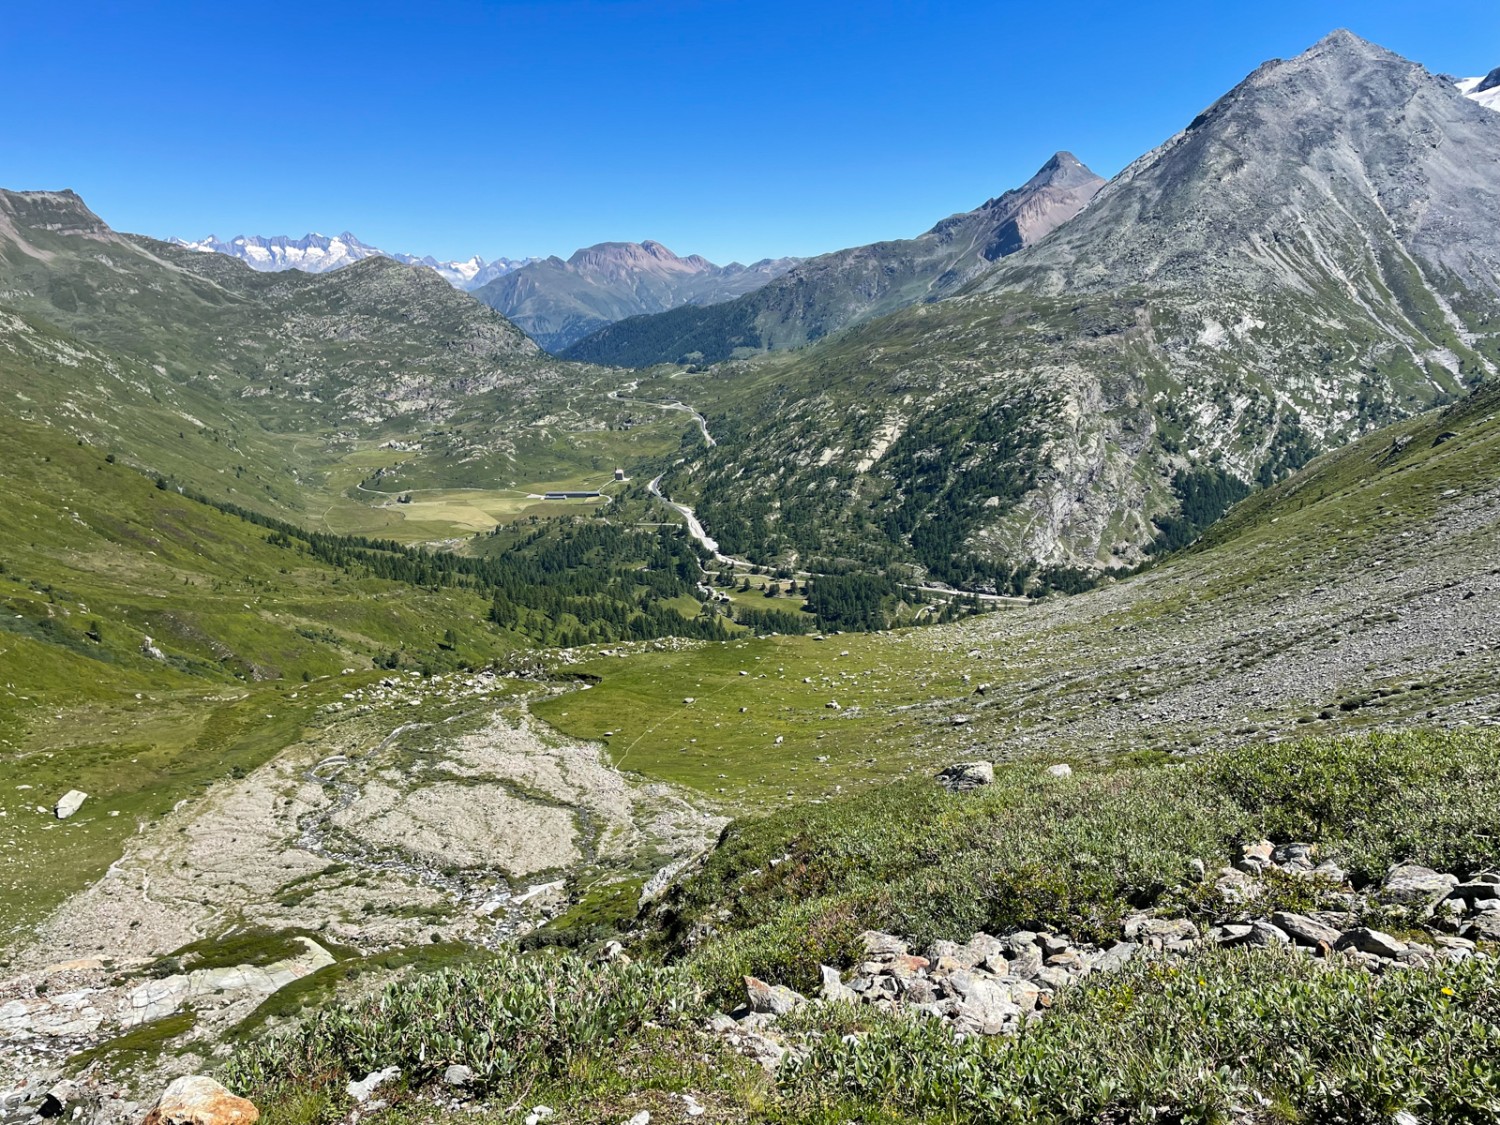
(992, 984)
(964, 776)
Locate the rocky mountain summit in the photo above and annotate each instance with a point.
(1314, 255)
(832, 291)
(320, 253)
(559, 302)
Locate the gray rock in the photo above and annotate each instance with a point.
(986, 1009)
(1062, 769)
(1305, 930)
(1483, 927)
(834, 989)
(774, 1000)
(362, 1090)
(1365, 940)
(1231, 933)
(1289, 853)
(879, 945)
(1418, 887)
(69, 803)
(964, 776)
(1116, 956)
(1261, 851)
(981, 947)
(458, 1075)
(1054, 978)
(1476, 891)
(1264, 933)
(1051, 945)
(1139, 927)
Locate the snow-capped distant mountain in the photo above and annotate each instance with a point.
(1485, 91)
(319, 253)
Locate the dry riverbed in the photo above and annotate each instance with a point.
(425, 810)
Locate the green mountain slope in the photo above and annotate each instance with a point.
(1301, 265)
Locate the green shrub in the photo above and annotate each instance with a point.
(515, 1020)
(1076, 855)
(1223, 1036)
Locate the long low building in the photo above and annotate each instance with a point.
(569, 495)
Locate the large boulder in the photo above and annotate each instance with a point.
(771, 1000)
(69, 803)
(963, 776)
(1418, 887)
(198, 1100)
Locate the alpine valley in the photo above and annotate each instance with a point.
(1046, 669)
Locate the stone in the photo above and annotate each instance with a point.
(964, 776)
(1294, 853)
(1053, 979)
(1475, 891)
(774, 1000)
(1330, 871)
(1051, 945)
(1116, 956)
(1062, 769)
(642, 1118)
(198, 1100)
(1261, 851)
(834, 989)
(986, 1009)
(362, 1090)
(1304, 930)
(69, 803)
(149, 649)
(1419, 887)
(1024, 994)
(1139, 926)
(1484, 927)
(540, 1113)
(1365, 940)
(918, 990)
(881, 945)
(941, 949)
(907, 965)
(1264, 933)
(458, 1075)
(980, 948)
(1231, 933)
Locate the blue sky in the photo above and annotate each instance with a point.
(729, 128)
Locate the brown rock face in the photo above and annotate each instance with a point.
(196, 1100)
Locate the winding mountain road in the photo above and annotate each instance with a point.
(709, 543)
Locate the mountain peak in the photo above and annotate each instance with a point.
(1064, 170)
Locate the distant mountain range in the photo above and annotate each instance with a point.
(558, 303)
(321, 253)
(832, 291)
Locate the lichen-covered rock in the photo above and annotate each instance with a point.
(198, 1100)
